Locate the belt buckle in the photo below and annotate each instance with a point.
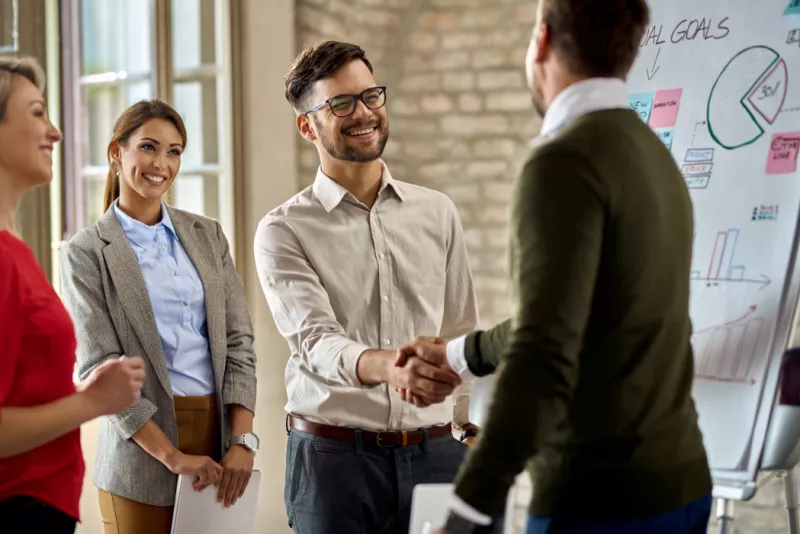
(378, 441)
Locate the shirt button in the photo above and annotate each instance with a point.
(163, 249)
(381, 255)
(185, 303)
(387, 341)
(175, 273)
(386, 298)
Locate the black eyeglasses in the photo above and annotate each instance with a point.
(344, 105)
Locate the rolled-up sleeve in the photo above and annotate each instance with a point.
(239, 386)
(301, 307)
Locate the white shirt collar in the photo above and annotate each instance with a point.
(331, 194)
(581, 98)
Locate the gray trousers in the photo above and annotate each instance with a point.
(335, 487)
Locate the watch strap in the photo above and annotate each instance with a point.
(468, 433)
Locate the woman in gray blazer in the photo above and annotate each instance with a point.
(151, 280)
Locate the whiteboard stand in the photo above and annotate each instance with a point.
(724, 516)
(792, 502)
(782, 446)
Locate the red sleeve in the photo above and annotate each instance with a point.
(10, 321)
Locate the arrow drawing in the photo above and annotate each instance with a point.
(764, 281)
(750, 311)
(651, 73)
(695, 129)
(725, 352)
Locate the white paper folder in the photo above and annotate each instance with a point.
(200, 513)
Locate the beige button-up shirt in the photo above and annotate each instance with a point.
(341, 279)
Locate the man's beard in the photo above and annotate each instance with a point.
(348, 153)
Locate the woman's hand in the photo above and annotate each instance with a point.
(238, 466)
(204, 468)
(114, 385)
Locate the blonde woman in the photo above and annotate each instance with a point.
(153, 280)
(41, 467)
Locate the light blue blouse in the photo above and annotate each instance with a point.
(176, 294)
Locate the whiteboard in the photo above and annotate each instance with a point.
(719, 82)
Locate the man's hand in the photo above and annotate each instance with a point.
(432, 350)
(238, 466)
(427, 383)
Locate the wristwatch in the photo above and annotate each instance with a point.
(249, 441)
(468, 433)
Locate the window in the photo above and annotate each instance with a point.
(9, 26)
(128, 50)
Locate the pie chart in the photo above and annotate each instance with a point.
(747, 97)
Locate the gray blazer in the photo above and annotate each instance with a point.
(103, 289)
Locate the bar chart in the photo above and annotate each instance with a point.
(726, 352)
(722, 267)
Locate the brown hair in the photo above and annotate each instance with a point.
(318, 62)
(26, 67)
(596, 38)
(131, 120)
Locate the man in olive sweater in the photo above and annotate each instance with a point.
(595, 367)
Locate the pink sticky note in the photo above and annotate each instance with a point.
(665, 108)
(782, 157)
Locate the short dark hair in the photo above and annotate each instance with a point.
(318, 62)
(596, 38)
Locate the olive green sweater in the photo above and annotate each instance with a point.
(595, 367)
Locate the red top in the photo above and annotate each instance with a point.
(37, 358)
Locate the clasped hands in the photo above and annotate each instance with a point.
(422, 374)
(230, 477)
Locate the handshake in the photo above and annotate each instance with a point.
(421, 373)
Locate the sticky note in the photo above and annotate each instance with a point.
(696, 169)
(641, 103)
(697, 182)
(699, 154)
(665, 108)
(793, 8)
(665, 134)
(783, 150)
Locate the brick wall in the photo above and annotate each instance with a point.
(459, 110)
(460, 117)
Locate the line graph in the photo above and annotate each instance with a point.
(725, 353)
(722, 268)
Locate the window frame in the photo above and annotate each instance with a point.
(163, 78)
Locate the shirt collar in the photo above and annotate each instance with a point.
(331, 194)
(138, 232)
(581, 98)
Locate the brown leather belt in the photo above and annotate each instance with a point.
(387, 439)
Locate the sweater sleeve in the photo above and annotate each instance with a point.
(556, 231)
(483, 348)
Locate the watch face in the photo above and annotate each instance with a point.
(251, 441)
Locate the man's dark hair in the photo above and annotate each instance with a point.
(318, 62)
(596, 38)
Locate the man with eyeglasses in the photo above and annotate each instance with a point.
(352, 267)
